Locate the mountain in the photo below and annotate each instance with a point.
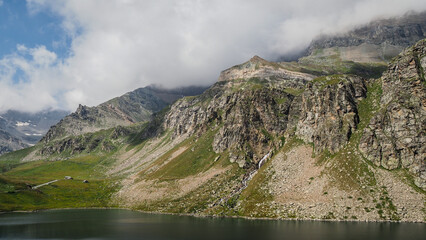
(378, 41)
(130, 108)
(328, 139)
(19, 129)
(329, 147)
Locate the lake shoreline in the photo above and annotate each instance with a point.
(214, 216)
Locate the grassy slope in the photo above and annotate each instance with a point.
(197, 158)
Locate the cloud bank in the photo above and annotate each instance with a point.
(118, 46)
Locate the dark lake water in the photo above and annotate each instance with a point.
(124, 224)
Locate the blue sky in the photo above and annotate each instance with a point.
(61, 53)
(19, 26)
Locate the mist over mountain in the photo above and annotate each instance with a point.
(385, 38)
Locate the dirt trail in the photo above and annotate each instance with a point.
(44, 184)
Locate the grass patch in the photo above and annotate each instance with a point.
(61, 194)
(15, 193)
(13, 159)
(329, 80)
(40, 171)
(294, 91)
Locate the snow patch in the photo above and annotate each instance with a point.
(22, 124)
(33, 134)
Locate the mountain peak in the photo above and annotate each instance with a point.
(258, 67)
(257, 59)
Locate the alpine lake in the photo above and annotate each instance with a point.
(126, 224)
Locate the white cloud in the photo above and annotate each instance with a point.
(1, 3)
(118, 46)
(26, 80)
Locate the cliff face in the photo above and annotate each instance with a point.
(395, 136)
(329, 111)
(249, 112)
(249, 105)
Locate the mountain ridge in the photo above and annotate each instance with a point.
(132, 107)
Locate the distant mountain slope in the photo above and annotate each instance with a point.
(132, 107)
(377, 41)
(20, 129)
(9, 143)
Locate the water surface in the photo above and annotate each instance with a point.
(125, 224)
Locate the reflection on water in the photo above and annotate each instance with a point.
(124, 224)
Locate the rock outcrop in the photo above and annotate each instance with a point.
(272, 72)
(329, 111)
(395, 136)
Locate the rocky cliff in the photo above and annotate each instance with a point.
(249, 105)
(395, 136)
(329, 111)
